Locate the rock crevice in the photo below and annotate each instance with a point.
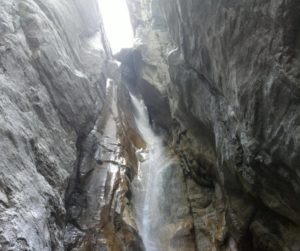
(220, 81)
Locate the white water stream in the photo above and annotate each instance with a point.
(149, 183)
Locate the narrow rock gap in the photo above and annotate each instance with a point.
(170, 149)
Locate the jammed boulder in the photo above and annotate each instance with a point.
(233, 98)
(220, 80)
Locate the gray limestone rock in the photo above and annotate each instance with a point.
(220, 80)
(234, 96)
(52, 85)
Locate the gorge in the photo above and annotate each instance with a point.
(187, 141)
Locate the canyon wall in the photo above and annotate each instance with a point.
(224, 76)
(53, 69)
(68, 137)
(220, 80)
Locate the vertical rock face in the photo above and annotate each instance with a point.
(99, 212)
(52, 84)
(232, 91)
(68, 139)
(220, 80)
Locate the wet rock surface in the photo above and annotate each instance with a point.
(99, 213)
(52, 85)
(232, 93)
(220, 80)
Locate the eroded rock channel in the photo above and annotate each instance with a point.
(189, 141)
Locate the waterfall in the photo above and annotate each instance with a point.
(148, 185)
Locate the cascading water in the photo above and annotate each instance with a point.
(149, 183)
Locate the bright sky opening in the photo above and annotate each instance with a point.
(117, 23)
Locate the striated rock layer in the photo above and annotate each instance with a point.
(220, 80)
(99, 212)
(224, 76)
(52, 81)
